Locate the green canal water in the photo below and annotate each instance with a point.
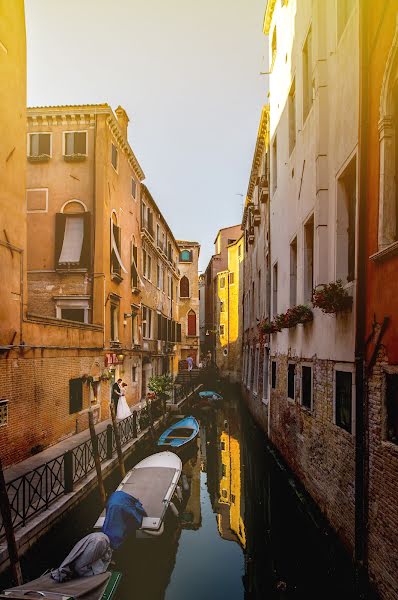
(244, 531)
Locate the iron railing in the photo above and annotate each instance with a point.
(33, 492)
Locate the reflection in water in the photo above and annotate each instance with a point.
(243, 533)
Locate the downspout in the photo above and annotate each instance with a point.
(361, 404)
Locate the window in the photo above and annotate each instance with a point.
(222, 282)
(114, 157)
(275, 290)
(3, 412)
(222, 306)
(178, 332)
(149, 266)
(75, 143)
(114, 321)
(273, 48)
(116, 261)
(72, 308)
(223, 470)
(184, 287)
(39, 145)
(158, 276)
(308, 259)
(274, 164)
(343, 400)
(186, 256)
(291, 378)
(230, 241)
(72, 240)
(306, 387)
(256, 370)
(134, 266)
(344, 10)
(134, 328)
(250, 370)
(75, 395)
(134, 374)
(146, 322)
(37, 200)
(307, 75)
(133, 188)
(191, 323)
(392, 406)
(346, 217)
(239, 251)
(231, 278)
(265, 374)
(293, 272)
(222, 329)
(292, 116)
(273, 374)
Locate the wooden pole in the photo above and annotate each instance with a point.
(9, 530)
(117, 441)
(94, 441)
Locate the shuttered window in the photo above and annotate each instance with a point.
(178, 332)
(73, 240)
(191, 323)
(184, 287)
(134, 268)
(75, 395)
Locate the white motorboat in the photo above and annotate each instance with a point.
(153, 481)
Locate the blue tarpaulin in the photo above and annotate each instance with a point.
(124, 515)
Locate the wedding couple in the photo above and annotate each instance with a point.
(119, 400)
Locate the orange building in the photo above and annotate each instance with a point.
(378, 317)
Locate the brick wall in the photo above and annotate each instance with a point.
(383, 490)
(320, 453)
(43, 287)
(38, 409)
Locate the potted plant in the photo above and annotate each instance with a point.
(331, 297)
(161, 386)
(301, 314)
(267, 327)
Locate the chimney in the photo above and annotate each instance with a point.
(123, 120)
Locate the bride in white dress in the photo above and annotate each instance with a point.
(123, 410)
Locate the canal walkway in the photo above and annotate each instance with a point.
(42, 488)
(243, 534)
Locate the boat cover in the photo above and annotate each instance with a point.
(90, 556)
(86, 588)
(124, 514)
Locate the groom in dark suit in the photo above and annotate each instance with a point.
(116, 393)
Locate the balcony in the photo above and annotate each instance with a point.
(263, 189)
(75, 157)
(40, 158)
(148, 227)
(256, 215)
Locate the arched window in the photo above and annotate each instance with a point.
(186, 256)
(388, 145)
(184, 287)
(191, 322)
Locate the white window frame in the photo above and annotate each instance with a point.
(307, 364)
(292, 362)
(77, 302)
(346, 368)
(256, 369)
(50, 133)
(116, 169)
(37, 190)
(73, 131)
(266, 363)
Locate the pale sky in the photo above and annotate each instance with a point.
(188, 74)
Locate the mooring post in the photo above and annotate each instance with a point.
(117, 440)
(94, 442)
(9, 530)
(68, 471)
(109, 441)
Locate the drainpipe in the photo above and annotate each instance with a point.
(361, 403)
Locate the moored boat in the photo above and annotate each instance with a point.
(153, 481)
(96, 587)
(179, 434)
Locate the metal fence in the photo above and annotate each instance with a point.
(36, 490)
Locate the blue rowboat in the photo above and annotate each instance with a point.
(210, 395)
(179, 434)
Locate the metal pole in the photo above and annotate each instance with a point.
(117, 441)
(9, 530)
(94, 441)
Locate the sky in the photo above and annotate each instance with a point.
(187, 72)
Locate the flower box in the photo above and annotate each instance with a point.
(332, 298)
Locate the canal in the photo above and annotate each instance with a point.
(245, 531)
